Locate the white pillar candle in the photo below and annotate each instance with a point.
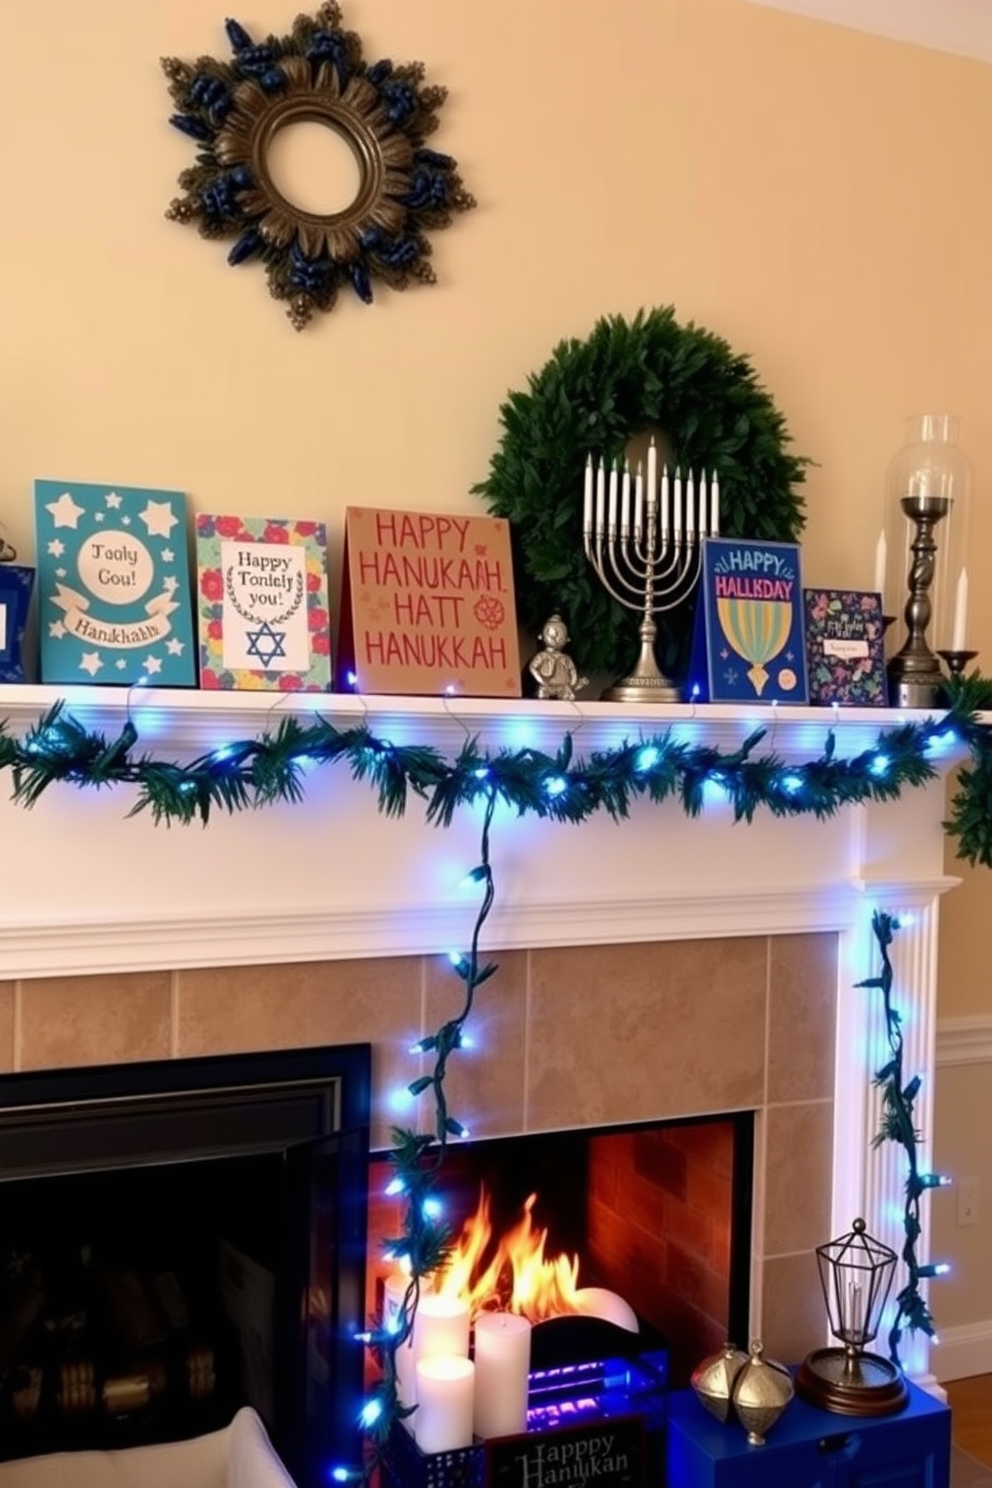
(958, 642)
(502, 1368)
(881, 562)
(445, 1394)
(394, 1291)
(587, 498)
(440, 1327)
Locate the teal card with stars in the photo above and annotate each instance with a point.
(115, 605)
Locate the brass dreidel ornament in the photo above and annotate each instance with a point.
(856, 1276)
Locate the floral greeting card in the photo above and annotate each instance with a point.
(844, 641)
(263, 610)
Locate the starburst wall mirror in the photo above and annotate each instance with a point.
(242, 115)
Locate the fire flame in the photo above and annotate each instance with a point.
(540, 1288)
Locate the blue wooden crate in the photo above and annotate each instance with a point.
(812, 1448)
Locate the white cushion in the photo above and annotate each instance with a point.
(239, 1456)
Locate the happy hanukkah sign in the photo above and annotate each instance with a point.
(749, 642)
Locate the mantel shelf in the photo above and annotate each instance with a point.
(187, 720)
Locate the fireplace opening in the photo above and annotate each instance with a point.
(179, 1239)
(652, 1220)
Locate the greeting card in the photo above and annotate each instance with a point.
(263, 609)
(845, 647)
(113, 585)
(428, 604)
(748, 644)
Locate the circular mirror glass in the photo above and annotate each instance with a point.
(313, 167)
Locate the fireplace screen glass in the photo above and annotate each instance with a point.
(180, 1239)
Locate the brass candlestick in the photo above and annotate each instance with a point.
(957, 660)
(915, 677)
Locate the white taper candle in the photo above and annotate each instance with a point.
(960, 631)
(614, 486)
(881, 562)
(625, 502)
(600, 498)
(652, 491)
(587, 498)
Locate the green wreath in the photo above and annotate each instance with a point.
(592, 397)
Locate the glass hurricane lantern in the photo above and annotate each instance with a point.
(926, 524)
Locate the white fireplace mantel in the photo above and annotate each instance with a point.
(90, 890)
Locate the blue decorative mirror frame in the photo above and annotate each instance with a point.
(383, 112)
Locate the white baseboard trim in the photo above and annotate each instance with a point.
(963, 1351)
(964, 1040)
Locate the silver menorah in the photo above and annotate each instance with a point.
(650, 564)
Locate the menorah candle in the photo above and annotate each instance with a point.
(587, 498)
(677, 525)
(440, 1327)
(625, 501)
(652, 471)
(614, 479)
(690, 505)
(638, 500)
(502, 1370)
(600, 498)
(445, 1395)
(664, 503)
(715, 506)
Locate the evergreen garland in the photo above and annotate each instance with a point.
(898, 1125)
(250, 773)
(592, 397)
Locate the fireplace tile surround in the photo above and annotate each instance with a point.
(562, 1038)
(661, 966)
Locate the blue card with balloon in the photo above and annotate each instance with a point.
(749, 643)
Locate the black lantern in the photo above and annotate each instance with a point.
(856, 1276)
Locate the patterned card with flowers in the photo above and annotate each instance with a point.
(845, 649)
(263, 610)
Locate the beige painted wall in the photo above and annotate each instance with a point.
(963, 1117)
(816, 195)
